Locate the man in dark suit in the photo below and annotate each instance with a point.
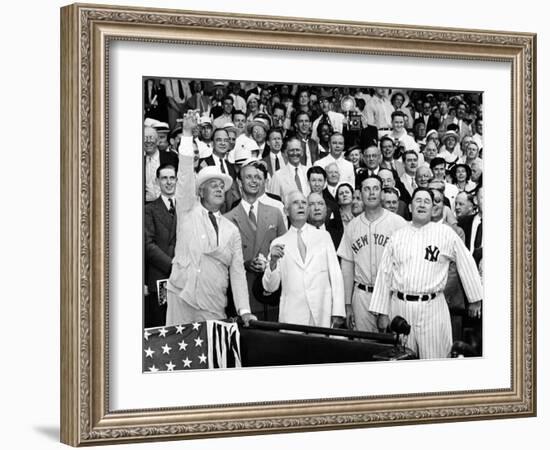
(317, 179)
(160, 242)
(310, 146)
(473, 230)
(272, 155)
(317, 216)
(473, 238)
(218, 158)
(258, 224)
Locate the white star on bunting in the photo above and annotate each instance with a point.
(196, 326)
(179, 329)
(163, 332)
(170, 367)
(183, 345)
(153, 369)
(202, 358)
(166, 349)
(146, 335)
(198, 342)
(149, 353)
(186, 362)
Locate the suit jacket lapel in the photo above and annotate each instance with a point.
(309, 249)
(244, 224)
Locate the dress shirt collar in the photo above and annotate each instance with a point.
(166, 201)
(333, 159)
(217, 214)
(304, 229)
(154, 157)
(292, 169)
(247, 205)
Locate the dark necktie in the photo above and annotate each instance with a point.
(215, 225)
(304, 156)
(479, 236)
(252, 217)
(180, 90)
(297, 180)
(277, 165)
(222, 167)
(172, 209)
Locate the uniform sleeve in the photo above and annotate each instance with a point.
(237, 276)
(381, 296)
(467, 270)
(344, 249)
(336, 278)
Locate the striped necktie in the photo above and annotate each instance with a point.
(252, 217)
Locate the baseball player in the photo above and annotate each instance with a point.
(413, 273)
(361, 250)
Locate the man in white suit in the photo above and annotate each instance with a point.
(304, 262)
(208, 251)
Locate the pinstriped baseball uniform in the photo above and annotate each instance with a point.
(363, 244)
(415, 262)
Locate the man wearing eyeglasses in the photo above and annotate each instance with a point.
(221, 145)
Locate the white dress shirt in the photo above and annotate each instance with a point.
(283, 181)
(347, 172)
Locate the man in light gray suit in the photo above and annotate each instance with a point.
(258, 224)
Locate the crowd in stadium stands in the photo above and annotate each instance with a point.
(295, 167)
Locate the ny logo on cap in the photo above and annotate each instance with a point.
(432, 253)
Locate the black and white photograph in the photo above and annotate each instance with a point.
(289, 224)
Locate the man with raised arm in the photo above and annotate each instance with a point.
(208, 246)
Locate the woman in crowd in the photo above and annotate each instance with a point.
(344, 197)
(252, 107)
(461, 177)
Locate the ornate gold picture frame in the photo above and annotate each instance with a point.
(87, 32)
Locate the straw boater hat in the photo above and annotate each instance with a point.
(449, 134)
(261, 120)
(161, 127)
(406, 98)
(430, 133)
(213, 173)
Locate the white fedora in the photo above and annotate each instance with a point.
(213, 173)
